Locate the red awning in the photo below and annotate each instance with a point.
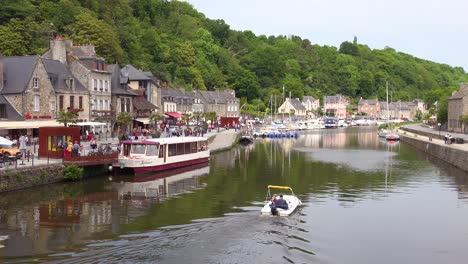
(173, 114)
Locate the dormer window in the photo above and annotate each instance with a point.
(35, 83)
(71, 83)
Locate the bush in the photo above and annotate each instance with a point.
(73, 173)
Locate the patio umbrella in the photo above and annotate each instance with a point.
(4, 141)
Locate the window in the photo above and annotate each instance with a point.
(36, 103)
(36, 83)
(106, 85)
(95, 85)
(152, 150)
(100, 85)
(72, 101)
(80, 102)
(61, 102)
(106, 105)
(3, 113)
(138, 149)
(71, 83)
(122, 105)
(172, 150)
(127, 105)
(180, 149)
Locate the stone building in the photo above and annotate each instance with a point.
(223, 103)
(71, 95)
(311, 104)
(91, 71)
(181, 101)
(138, 80)
(369, 107)
(457, 107)
(335, 106)
(25, 85)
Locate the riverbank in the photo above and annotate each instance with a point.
(34, 172)
(431, 142)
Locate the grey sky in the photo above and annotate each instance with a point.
(435, 30)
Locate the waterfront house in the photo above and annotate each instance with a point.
(311, 105)
(335, 106)
(292, 106)
(71, 95)
(26, 87)
(91, 71)
(223, 103)
(457, 107)
(139, 80)
(369, 107)
(122, 96)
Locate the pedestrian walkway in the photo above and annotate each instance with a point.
(435, 136)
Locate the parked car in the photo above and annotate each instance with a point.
(7, 151)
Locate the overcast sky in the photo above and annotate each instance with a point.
(435, 30)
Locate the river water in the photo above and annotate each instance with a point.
(364, 201)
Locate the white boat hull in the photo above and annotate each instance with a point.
(293, 203)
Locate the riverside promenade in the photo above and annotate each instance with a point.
(430, 141)
(218, 141)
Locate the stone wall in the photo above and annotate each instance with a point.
(455, 157)
(20, 178)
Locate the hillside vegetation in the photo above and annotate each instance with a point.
(180, 45)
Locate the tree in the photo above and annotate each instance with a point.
(155, 118)
(66, 117)
(123, 119)
(87, 29)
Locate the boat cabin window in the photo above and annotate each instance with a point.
(161, 151)
(202, 145)
(187, 148)
(172, 150)
(151, 150)
(138, 149)
(180, 149)
(193, 146)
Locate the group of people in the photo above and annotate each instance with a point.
(448, 139)
(278, 203)
(72, 149)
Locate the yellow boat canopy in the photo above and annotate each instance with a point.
(279, 187)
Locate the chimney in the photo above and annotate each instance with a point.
(1, 72)
(58, 49)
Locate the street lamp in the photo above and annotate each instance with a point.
(440, 125)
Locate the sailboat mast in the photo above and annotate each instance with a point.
(388, 107)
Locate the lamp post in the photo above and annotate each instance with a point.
(440, 126)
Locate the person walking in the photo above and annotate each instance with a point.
(22, 145)
(446, 138)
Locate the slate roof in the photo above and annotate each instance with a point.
(297, 104)
(333, 99)
(17, 72)
(368, 101)
(134, 74)
(220, 97)
(179, 96)
(59, 73)
(12, 114)
(383, 105)
(140, 102)
(118, 82)
(310, 98)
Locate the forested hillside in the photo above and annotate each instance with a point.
(182, 46)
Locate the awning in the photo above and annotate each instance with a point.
(29, 124)
(89, 124)
(145, 121)
(173, 114)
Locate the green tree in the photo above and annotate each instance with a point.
(66, 117)
(87, 29)
(123, 120)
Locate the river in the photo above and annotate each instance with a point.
(364, 201)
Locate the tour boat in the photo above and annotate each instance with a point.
(291, 199)
(141, 156)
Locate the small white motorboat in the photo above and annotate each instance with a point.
(291, 200)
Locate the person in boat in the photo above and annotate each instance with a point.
(274, 211)
(281, 203)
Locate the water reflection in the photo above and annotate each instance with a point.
(211, 214)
